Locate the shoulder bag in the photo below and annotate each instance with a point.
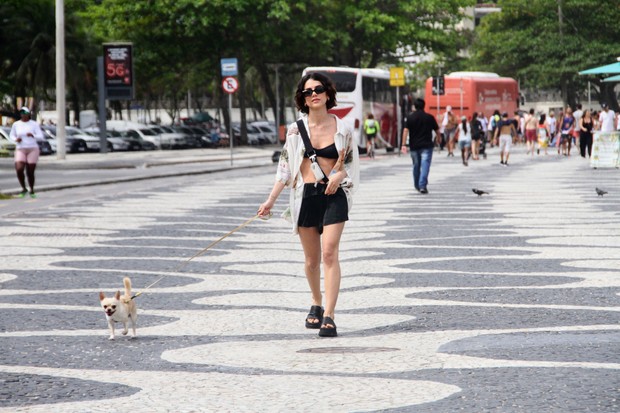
(319, 175)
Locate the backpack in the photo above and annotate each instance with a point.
(477, 131)
(494, 121)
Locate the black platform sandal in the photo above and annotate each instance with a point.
(328, 328)
(316, 313)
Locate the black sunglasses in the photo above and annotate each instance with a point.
(318, 90)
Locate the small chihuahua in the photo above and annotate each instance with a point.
(120, 309)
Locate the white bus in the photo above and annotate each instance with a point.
(360, 92)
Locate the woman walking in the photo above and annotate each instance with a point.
(463, 133)
(25, 133)
(543, 134)
(586, 125)
(322, 174)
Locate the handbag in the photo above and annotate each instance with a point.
(314, 165)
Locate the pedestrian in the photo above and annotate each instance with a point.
(607, 119)
(418, 136)
(25, 133)
(566, 131)
(595, 119)
(449, 124)
(531, 126)
(464, 138)
(576, 131)
(552, 121)
(519, 122)
(505, 131)
(322, 175)
(493, 122)
(477, 135)
(542, 134)
(371, 127)
(586, 126)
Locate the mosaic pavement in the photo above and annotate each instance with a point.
(450, 302)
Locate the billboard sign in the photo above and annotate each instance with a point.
(118, 70)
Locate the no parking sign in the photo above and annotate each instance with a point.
(230, 84)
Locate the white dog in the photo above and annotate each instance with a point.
(120, 309)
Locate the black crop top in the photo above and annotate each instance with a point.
(329, 152)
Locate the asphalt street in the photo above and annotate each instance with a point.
(505, 302)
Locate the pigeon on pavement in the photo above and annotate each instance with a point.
(479, 192)
(600, 192)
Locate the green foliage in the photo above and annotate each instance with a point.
(178, 43)
(532, 41)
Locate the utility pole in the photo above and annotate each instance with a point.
(61, 149)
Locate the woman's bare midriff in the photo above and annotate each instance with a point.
(326, 165)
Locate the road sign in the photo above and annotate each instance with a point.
(397, 76)
(229, 66)
(230, 84)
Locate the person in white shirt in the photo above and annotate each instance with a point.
(552, 122)
(607, 119)
(25, 133)
(463, 134)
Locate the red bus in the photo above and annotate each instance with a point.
(469, 92)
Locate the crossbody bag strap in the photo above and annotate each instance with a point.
(304, 136)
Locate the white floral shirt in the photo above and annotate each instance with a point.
(292, 156)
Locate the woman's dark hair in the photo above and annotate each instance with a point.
(474, 117)
(464, 122)
(300, 101)
(542, 119)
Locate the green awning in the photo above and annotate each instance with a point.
(205, 117)
(602, 70)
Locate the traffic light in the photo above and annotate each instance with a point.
(438, 85)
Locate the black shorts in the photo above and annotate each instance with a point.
(318, 209)
(371, 136)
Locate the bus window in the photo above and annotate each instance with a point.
(377, 90)
(343, 81)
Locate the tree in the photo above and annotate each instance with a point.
(546, 44)
(185, 36)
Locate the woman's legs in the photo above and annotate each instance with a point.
(311, 244)
(331, 265)
(30, 168)
(21, 178)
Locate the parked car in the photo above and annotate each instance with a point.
(206, 139)
(255, 136)
(144, 134)
(76, 140)
(50, 138)
(134, 143)
(44, 147)
(114, 143)
(197, 136)
(268, 130)
(7, 146)
(173, 139)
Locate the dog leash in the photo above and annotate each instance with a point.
(201, 252)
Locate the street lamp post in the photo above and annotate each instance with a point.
(60, 80)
